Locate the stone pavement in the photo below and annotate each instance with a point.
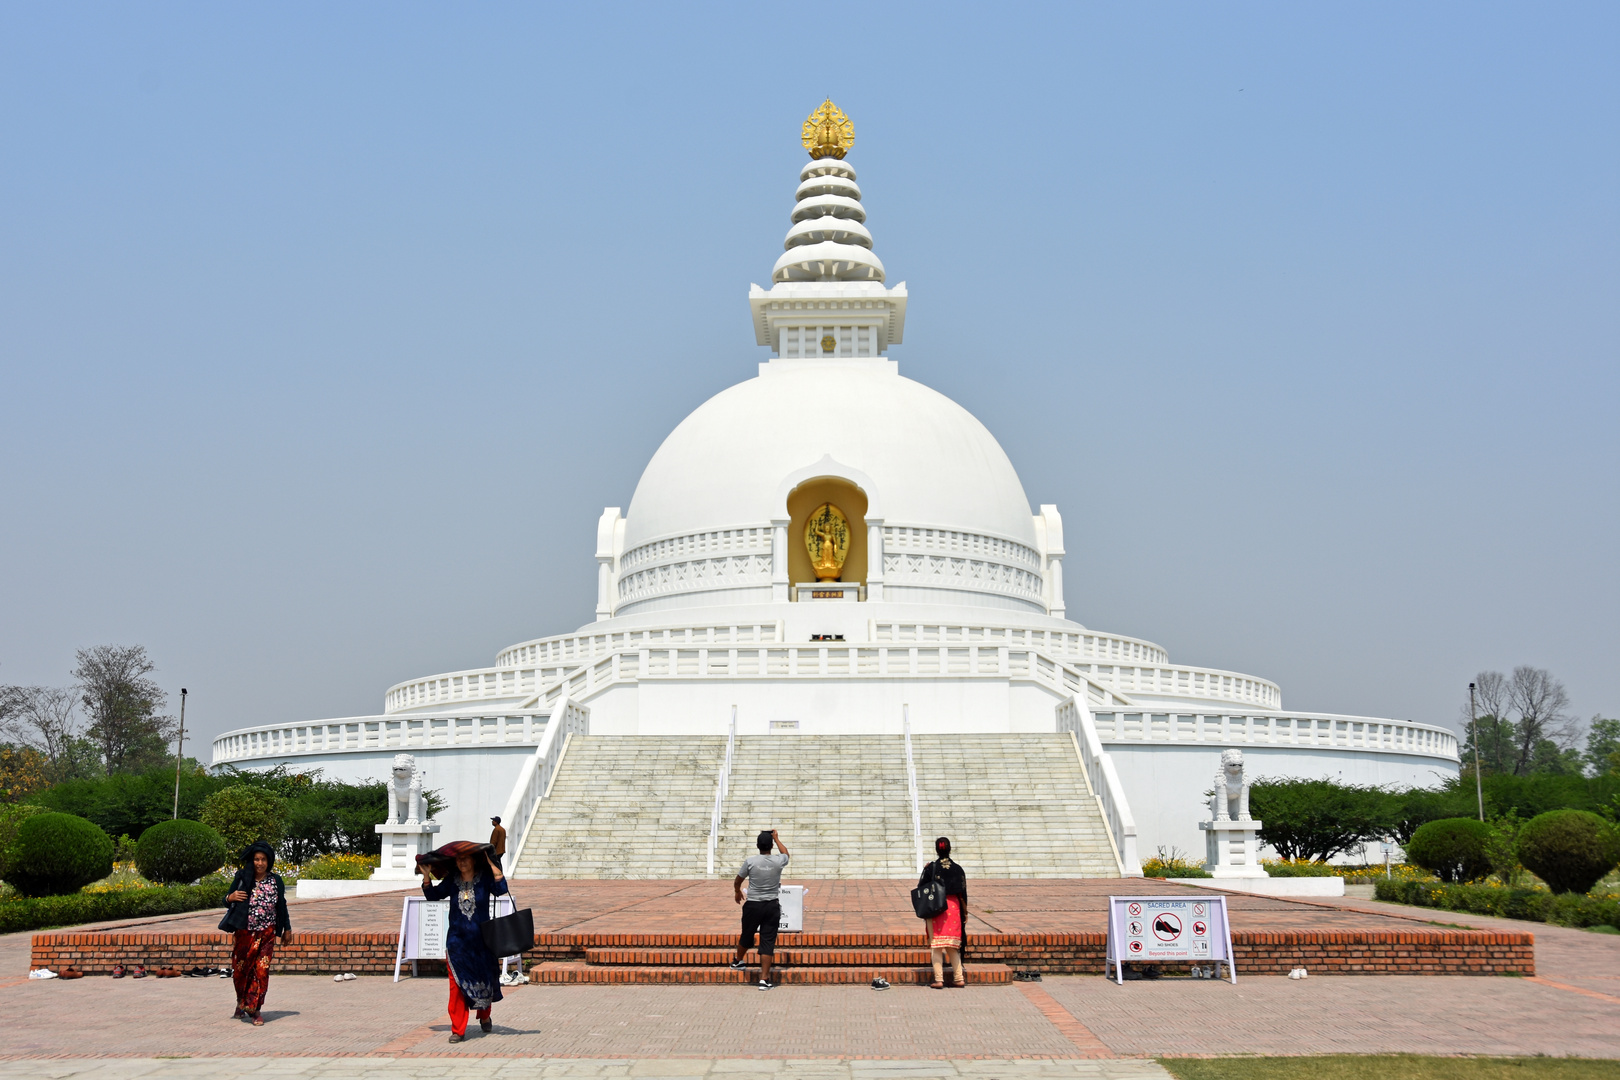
(576, 1069)
(1571, 1007)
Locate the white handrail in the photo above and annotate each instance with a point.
(911, 783)
(1103, 779)
(720, 787)
(534, 779)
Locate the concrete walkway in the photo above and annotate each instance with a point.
(576, 1069)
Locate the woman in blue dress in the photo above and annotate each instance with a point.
(468, 877)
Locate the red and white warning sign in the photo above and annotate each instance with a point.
(1168, 928)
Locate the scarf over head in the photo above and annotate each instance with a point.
(257, 846)
(442, 860)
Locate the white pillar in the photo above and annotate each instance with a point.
(779, 561)
(1050, 526)
(874, 559)
(608, 528)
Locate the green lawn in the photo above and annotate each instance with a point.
(1391, 1067)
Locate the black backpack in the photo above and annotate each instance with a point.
(928, 899)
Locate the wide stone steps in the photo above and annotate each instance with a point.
(792, 966)
(639, 806)
(785, 957)
(626, 807)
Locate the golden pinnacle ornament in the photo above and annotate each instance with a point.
(828, 132)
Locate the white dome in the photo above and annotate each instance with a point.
(928, 462)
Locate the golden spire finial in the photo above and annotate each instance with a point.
(828, 132)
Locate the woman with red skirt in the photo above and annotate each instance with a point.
(256, 914)
(468, 878)
(947, 931)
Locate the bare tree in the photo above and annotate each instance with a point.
(1497, 741)
(122, 705)
(43, 718)
(1542, 708)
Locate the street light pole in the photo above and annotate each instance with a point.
(1473, 724)
(180, 742)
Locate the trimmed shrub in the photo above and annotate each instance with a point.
(243, 814)
(1455, 849)
(176, 852)
(55, 854)
(1571, 850)
(11, 816)
(1535, 905)
(1302, 868)
(339, 868)
(44, 912)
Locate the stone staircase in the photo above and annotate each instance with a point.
(902, 959)
(626, 807)
(840, 803)
(639, 807)
(1014, 806)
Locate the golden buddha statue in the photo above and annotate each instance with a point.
(826, 538)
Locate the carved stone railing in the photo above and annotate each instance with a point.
(420, 731)
(1267, 728)
(534, 780)
(1103, 780)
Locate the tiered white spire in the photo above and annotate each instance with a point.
(829, 240)
(827, 297)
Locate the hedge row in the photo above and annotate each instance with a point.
(1562, 909)
(43, 912)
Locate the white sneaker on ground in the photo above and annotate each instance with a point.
(42, 973)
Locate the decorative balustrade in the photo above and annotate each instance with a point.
(1069, 645)
(1277, 729)
(534, 779)
(1103, 780)
(580, 647)
(397, 733)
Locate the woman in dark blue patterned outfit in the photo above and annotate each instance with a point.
(469, 877)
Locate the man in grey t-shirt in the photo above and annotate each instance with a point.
(762, 913)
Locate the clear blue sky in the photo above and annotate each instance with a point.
(326, 331)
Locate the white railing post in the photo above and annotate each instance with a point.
(721, 785)
(911, 785)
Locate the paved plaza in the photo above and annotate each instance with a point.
(1078, 1026)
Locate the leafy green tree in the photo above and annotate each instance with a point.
(1602, 746)
(242, 814)
(1318, 819)
(123, 706)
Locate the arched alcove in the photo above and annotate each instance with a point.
(805, 500)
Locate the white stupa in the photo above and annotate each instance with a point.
(830, 548)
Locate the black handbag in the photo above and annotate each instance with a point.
(236, 912)
(510, 935)
(928, 899)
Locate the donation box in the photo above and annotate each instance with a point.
(792, 900)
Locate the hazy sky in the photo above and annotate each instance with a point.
(326, 331)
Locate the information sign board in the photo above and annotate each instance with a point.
(792, 902)
(1168, 928)
(423, 925)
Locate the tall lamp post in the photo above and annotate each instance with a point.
(180, 742)
(1473, 724)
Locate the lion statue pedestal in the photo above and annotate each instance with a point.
(1231, 836)
(405, 834)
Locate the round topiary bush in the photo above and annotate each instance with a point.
(178, 851)
(54, 854)
(1571, 850)
(1452, 848)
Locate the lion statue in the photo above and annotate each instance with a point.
(405, 792)
(1230, 800)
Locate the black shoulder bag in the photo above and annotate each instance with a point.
(928, 899)
(510, 935)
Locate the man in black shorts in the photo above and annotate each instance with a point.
(762, 913)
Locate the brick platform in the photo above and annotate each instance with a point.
(684, 931)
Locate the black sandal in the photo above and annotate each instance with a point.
(487, 1025)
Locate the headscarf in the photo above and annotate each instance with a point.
(269, 853)
(442, 860)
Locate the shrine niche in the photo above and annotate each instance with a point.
(812, 525)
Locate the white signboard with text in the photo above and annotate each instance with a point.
(423, 925)
(1151, 929)
(792, 900)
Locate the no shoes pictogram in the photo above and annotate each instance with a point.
(1199, 929)
(1166, 926)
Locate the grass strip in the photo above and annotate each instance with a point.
(1391, 1067)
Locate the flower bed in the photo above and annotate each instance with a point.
(1535, 905)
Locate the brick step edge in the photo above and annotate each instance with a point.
(784, 957)
(574, 972)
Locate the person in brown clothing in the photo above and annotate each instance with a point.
(497, 839)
